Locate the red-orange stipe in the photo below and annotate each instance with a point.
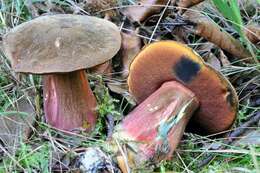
(69, 103)
(154, 128)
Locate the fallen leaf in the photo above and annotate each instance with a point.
(252, 32)
(213, 61)
(16, 124)
(251, 138)
(144, 9)
(131, 45)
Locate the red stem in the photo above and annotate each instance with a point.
(69, 103)
(155, 127)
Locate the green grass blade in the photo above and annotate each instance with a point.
(230, 10)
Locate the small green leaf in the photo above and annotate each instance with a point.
(9, 113)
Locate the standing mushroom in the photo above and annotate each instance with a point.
(61, 47)
(170, 82)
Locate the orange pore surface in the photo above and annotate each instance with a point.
(168, 60)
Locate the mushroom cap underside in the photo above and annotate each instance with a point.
(61, 43)
(169, 60)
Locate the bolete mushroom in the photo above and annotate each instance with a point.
(171, 61)
(172, 84)
(61, 47)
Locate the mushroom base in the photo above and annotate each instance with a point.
(69, 103)
(154, 128)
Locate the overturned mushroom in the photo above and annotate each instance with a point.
(169, 60)
(170, 82)
(62, 46)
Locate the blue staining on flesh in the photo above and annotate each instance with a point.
(186, 69)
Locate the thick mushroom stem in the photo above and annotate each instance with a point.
(154, 128)
(69, 103)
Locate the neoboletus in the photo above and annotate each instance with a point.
(172, 85)
(61, 47)
(172, 61)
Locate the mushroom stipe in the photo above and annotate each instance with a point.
(173, 86)
(154, 128)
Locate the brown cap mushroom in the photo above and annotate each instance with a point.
(171, 61)
(62, 46)
(171, 82)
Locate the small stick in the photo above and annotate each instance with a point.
(110, 126)
(242, 129)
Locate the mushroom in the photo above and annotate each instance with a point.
(168, 60)
(173, 86)
(61, 47)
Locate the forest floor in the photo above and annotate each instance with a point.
(37, 147)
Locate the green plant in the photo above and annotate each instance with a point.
(230, 10)
(29, 159)
(106, 106)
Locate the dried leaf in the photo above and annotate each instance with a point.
(252, 32)
(16, 124)
(213, 61)
(144, 9)
(131, 45)
(223, 59)
(183, 4)
(102, 69)
(205, 49)
(180, 35)
(206, 28)
(97, 6)
(94, 6)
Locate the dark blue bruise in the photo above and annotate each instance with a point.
(186, 69)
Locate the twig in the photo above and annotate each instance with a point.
(159, 20)
(110, 126)
(124, 156)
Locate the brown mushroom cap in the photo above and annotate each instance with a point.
(168, 60)
(61, 43)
